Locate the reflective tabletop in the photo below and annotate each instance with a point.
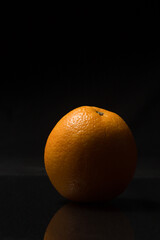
(32, 209)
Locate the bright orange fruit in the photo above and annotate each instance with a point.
(90, 155)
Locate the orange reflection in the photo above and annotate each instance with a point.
(77, 222)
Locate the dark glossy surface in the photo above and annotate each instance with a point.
(31, 209)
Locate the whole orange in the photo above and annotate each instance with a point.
(90, 155)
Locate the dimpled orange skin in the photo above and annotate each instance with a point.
(90, 155)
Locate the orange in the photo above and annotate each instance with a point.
(90, 155)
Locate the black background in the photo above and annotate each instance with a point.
(57, 58)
